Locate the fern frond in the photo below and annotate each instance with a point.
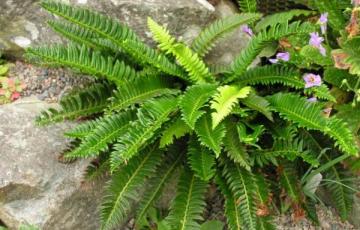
(206, 40)
(102, 25)
(259, 104)
(258, 42)
(198, 71)
(241, 183)
(224, 101)
(93, 100)
(193, 100)
(264, 222)
(84, 129)
(248, 6)
(232, 209)
(146, 55)
(209, 137)
(305, 114)
(156, 184)
(201, 160)
(273, 74)
(150, 118)
(235, 150)
(187, 208)
(341, 190)
(309, 116)
(106, 132)
(85, 60)
(289, 181)
(342, 135)
(97, 168)
(81, 36)
(124, 185)
(176, 130)
(281, 17)
(138, 91)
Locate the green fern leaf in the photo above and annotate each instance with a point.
(248, 6)
(232, 209)
(193, 100)
(341, 190)
(156, 184)
(85, 60)
(241, 183)
(235, 150)
(103, 26)
(187, 208)
(259, 104)
(176, 130)
(90, 101)
(198, 71)
(150, 118)
(281, 17)
(84, 129)
(224, 101)
(106, 132)
(261, 40)
(201, 160)
(209, 137)
(203, 43)
(123, 187)
(289, 181)
(138, 91)
(97, 168)
(82, 36)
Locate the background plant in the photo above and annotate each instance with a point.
(252, 132)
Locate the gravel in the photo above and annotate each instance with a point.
(48, 84)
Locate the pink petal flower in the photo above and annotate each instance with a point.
(312, 80)
(316, 41)
(14, 96)
(285, 56)
(273, 60)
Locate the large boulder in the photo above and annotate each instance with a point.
(35, 188)
(23, 23)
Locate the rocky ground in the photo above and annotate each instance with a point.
(47, 84)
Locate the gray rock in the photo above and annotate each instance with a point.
(23, 23)
(35, 188)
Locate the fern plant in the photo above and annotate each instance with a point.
(157, 113)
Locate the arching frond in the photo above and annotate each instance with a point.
(209, 137)
(85, 60)
(259, 104)
(309, 115)
(176, 130)
(198, 71)
(241, 183)
(224, 101)
(201, 160)
(258, 42)
(90, 101)
(290, 182)
(102, 25)
(203, 43)
(107, 131)
(187, 208)
(150, 118)
(138, 91)
(156, 184)
(193, 100)
(281, 17)
(123, 187)
(235, 150)
(247, 6)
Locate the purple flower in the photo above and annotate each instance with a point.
(312, 99)
(284, 56)
(316, 41)
(312, 80)
(246, 29)
(323, 22)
